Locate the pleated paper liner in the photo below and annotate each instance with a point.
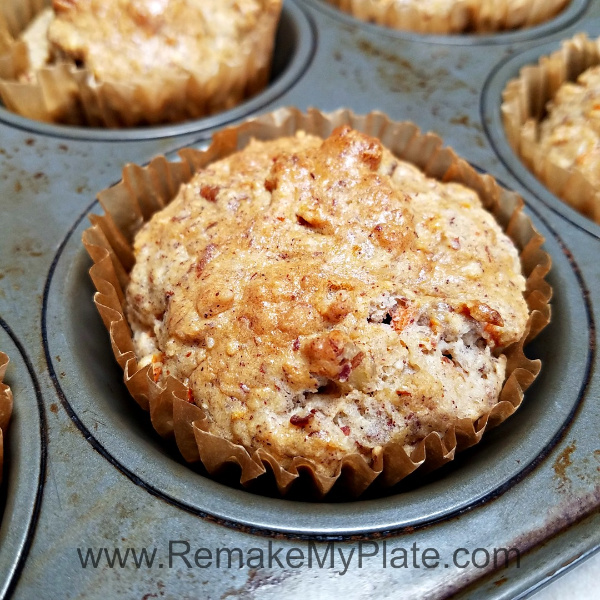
(524, 106)
(6, 405)
(473, 16)
(145, 190)
(67, 94)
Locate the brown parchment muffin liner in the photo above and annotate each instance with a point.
(524, 106)
(143, 191)
(6, 405)
(67, 94)
(463, 16)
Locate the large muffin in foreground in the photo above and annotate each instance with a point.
(453, 16)
(321, 298)
(129, 62)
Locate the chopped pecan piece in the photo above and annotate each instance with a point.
(483, 313)
(299, 421)
(209, 192)
(333, 355)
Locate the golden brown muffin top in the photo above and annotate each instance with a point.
(322, 298)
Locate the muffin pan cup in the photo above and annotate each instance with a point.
(112, 481)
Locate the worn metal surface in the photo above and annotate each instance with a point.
(108, 481)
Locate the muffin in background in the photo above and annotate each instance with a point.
(551, 115)
(453, 16)
(126, 63)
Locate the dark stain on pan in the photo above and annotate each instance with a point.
(465, 121)
(28, 247)
(561, 464)
(400, 74)
(23, 180)
(369, 49)
(460, 120)
(566, 514)
(405, 74)
(585, 470)
(257, 579)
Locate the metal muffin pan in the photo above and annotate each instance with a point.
(111, 481)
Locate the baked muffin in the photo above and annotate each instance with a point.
(313, 303)
(132, 62)
(320, 298)
(6, 404)
(551, 114)
(570, 133)
(453, 16)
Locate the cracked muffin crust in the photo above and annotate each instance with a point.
(321, 298)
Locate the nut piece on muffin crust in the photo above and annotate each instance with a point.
(321, 298)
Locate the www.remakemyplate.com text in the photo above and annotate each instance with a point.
(337, 556)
